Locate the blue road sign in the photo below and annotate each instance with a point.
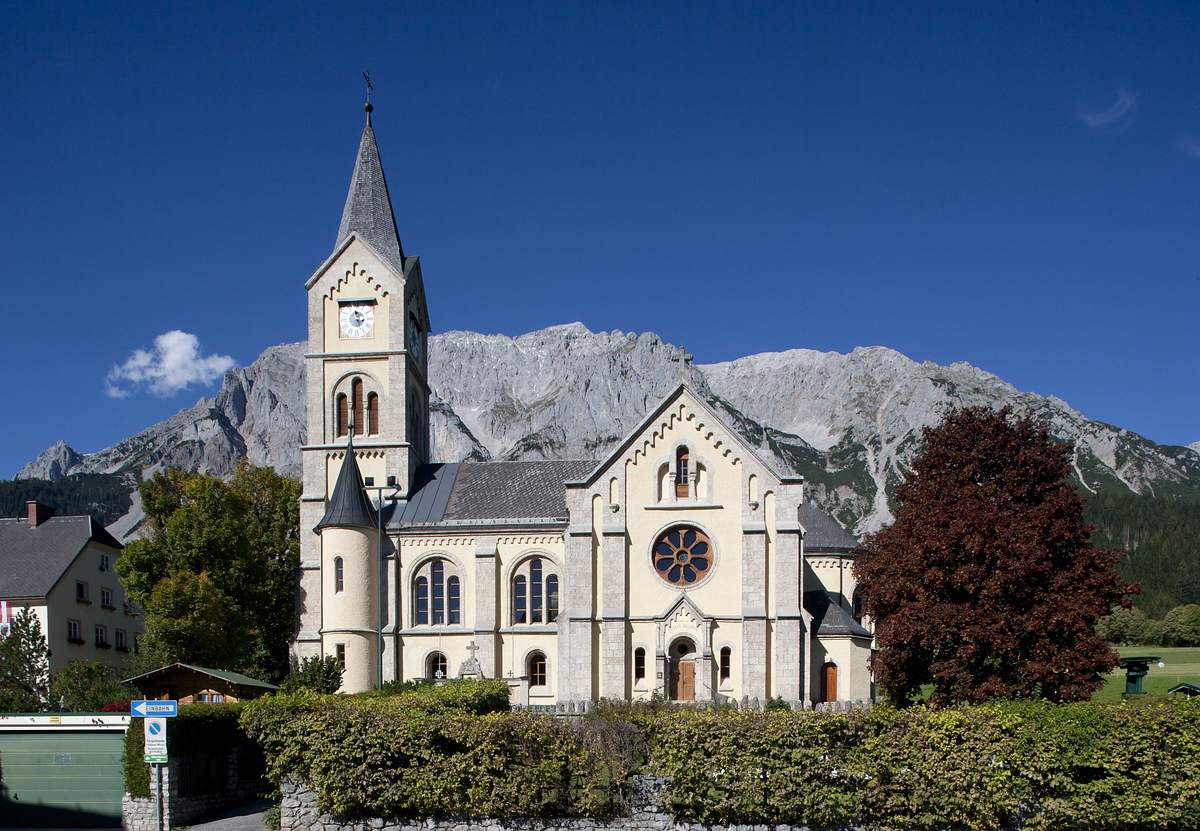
(155, 728)
(162, 708)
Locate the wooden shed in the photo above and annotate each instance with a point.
(190, 684)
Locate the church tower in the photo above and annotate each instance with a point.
(365, 375)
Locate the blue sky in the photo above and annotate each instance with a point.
(1016, 185)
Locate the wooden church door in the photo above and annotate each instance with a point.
(685, 685)
(829, 682)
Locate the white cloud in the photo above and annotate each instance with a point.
(1190, 147)
(1118, 114)
(173, 365)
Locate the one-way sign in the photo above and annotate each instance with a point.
(163, 708)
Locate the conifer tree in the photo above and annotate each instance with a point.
(986, 585)
(24, 665)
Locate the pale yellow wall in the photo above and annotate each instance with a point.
(516, 550)
(360, 274)
(61, 605)
(828, 569)
(850, 655)
(370, 463)
(516, 648)
(459, 554)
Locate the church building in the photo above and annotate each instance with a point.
(681, 565)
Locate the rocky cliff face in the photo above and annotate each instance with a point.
(849, 423)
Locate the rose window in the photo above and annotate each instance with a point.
(682, 554)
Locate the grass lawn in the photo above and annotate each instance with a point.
(1182, 664)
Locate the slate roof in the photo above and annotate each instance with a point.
(473, 493)
(349, 506)
(829, 618)
(822, 532)
(33, 559)
(368, 210)
(223, 674)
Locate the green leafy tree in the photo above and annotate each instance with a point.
(1181, 626)
(1128, 627)
(24, 665)
(216, 573)
(87, 686)
(320, 674)
(987, 585)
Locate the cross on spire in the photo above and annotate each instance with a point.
(370, 88)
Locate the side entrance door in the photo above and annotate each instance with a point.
(686, 685)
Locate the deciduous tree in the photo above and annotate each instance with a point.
(87, 686)
(986, 584)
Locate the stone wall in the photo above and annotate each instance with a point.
(140, 814)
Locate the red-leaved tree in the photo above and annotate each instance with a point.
(986, 585)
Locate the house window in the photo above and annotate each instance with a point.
(437, 595)
(726, 662)
(339, 575)
(122, 640)
(435, 666)
(682, 554)
(340, 652)
(74, 631)
(218, 698)
(81, 592)
(681, 473)
(537, 669)
(106, 600)
(535, 592)
(639, 664)
(104, 562)
(102, 637)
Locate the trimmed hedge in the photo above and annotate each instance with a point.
(199, 729)
(1030, 765)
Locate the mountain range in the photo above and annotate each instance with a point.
(849, 423)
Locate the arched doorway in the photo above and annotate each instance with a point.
(829, 682)
(681, 659)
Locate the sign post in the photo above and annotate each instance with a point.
(154, 715)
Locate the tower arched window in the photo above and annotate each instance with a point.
(372, 414)
(339, 575)
(726, 663)
(356, 396)
(681, 473)
(437, 595)
(536, 669)
(536, 592)
(435, 666)
(343, 414)
(639, 664)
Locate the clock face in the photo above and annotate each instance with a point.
(357, 321)
(414, 339)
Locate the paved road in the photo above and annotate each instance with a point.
(247, 817)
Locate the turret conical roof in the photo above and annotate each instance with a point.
(368, 211)
(349, 506)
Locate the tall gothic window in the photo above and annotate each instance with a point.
(552, 598)
(535, 590)
(681, 473)
(536, 669)
(356, 395)
(437, 595)
(520, 589)
(726, 662)
(639, 664)
(343, 414)
(339, 575)
(372, 414)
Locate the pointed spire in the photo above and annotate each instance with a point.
(368, 211)
(349, 506)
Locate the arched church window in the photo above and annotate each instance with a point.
(536, 591)
(452, 601)
(356, 396)
(435, 666)
(519, 599)
(856, 603)
(343, 414)
(639, 664)
(536, 669)
(422, 601)
(551, 598)
(681, 473)
(726, 663)
(339, 575)
(682, 555)
(372, 414)
(437, 594)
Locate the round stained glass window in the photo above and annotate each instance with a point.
(682, 554)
